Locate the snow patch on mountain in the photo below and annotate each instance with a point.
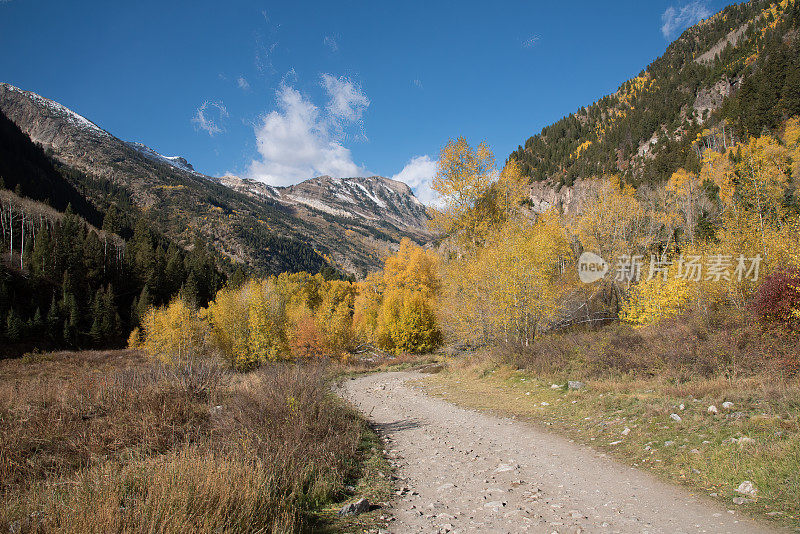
(179, 162)
(321, 206)
(371, 196)
(58, 109)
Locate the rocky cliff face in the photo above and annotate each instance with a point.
(352, 221)
(565, 199)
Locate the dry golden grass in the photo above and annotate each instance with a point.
(729, 343)
(111, 442)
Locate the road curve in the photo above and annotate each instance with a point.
(466, 471)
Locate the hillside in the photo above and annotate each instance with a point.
(313, 226)
(724, 79)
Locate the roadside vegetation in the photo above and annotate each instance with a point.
(117, 442)
(699, 402)
(302, 317)
(695, 374)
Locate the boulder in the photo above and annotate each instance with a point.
(747, 488)
(574, 384)
(355, 508)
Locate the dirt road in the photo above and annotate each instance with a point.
(465, 471)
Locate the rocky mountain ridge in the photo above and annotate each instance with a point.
(373, 198)
(348, 223)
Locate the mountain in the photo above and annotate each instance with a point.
(724, 79)
(375, 198)
(23, 165)
(321, 223)
(71, 276)
(179, 162)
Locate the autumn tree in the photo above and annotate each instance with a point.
(395, 308)
(173, 333)
(462, 180)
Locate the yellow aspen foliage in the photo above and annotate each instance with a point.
(300, 289)
(247, 324)
(791, 133)
(512, 288)
(505, 196)
(407, 322)
(173, 333)
(612, 222)
(654, 299)
(410, 268)
(135, 339)
(760, 220)
(266, 340)
(367, 306)
(228, 317)
(463, 178)
(718, 168)
(395, 308)
(335, 317)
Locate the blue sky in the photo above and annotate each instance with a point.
(283, 91)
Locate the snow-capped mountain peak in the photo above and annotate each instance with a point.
(179, 162)
(58, 109)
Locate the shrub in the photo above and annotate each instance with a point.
(777, 299)
(173, 333)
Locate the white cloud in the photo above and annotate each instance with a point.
(530, 41)
(331, 42)
(675, 20)
(264, 54)
(243, 84)
(298, 141)
(347, 100)
(418, 174)
(209, 117)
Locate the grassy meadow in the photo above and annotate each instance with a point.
(110, 441)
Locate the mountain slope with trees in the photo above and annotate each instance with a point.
(259, 227)
(725, 79)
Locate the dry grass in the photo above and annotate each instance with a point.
(101, 442)
(728, 343)
(356, 365)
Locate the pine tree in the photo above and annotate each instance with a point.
(112, 222)
(36, 323)
(144, 303)
(14, 326)
(53, 321)
(110, 319)
(790, 96)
